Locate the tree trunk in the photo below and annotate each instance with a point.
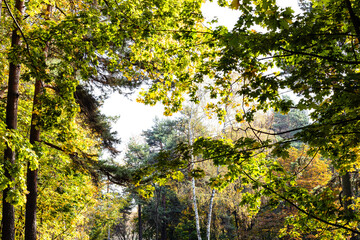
(236, 222)
(347, 191)
(8, 212)
(157, 212)
(197, 220)
(354, 19)
(31, 181)
(208, 226)
(140, 223)
(163, 224)
(32, 174)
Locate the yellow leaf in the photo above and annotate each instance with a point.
(235, 4)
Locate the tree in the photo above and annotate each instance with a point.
(8, 214)
(317, 54)
(97, 44)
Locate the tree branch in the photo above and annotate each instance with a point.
(306, 127)
(299, 208)
(321, 57)
(355, 19)
(18, 26)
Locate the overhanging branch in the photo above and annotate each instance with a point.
(319, 56)
(299, 208)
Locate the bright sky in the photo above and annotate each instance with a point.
(136, 117)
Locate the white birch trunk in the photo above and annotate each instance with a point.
(197, 220)
(208, 226)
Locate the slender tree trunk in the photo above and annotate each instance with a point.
(208, 226)
(354, 19)
(8, 212)
(32, 174)
(157, 213)
(197, 220)
(236, 222)
(193, 186)
(140, 222)
(31, 181)
(163, 224)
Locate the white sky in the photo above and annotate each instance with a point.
(136, 117)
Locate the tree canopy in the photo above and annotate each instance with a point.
(297, 156)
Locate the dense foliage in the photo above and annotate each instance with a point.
(276, 167)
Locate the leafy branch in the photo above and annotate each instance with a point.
(299, 208)
(319, 56)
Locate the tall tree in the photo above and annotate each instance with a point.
(8, 215)
(32, 174)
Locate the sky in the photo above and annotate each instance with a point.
(136, 117)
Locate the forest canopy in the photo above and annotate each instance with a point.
(275, 166)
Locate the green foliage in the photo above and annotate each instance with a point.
(74, 49)
(26, 153)
(111, 45)
(317, 54)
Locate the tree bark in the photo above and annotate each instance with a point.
(208, 226)
(193, 186)
(31, 197)
(354, 19)
(346, 187)
(32, 174)
(236, 222)
(197, 220)
(140, 223)
(8, 212)
(163, 223)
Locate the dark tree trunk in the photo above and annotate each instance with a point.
(163, 223)
(158, 192)
(8, 213)
(236, 221)
(354, 19)
(347, 191)
(31, 197)
(346, 187)
(140, 223)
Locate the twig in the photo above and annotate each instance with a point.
(18, 26)
(321, 57)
